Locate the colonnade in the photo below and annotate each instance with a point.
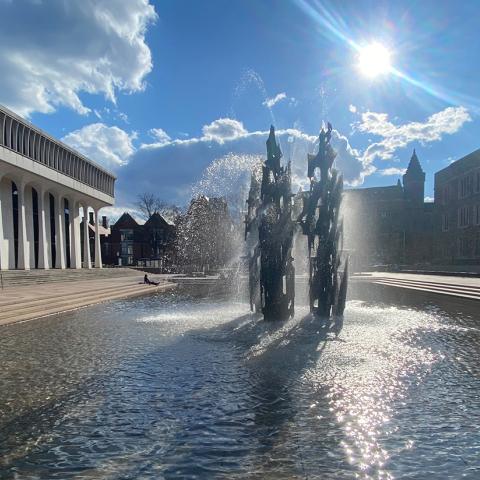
(40, 227)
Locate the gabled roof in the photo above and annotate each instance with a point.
(156, 220)
(126, 221)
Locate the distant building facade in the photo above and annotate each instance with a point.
(44, 184)
(149, 245)
(457, 205)
(390, 225)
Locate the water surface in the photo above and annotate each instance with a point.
(167, 387)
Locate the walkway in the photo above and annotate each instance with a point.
(29, 295)
(462, 287)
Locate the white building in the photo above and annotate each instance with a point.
(43, 186)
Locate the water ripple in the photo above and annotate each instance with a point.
(167, 387)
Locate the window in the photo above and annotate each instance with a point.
(126, 235)
(445, 222)
(445, 195)
(464, 247)
(466, 186)
(464, 216)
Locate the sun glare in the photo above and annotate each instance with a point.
(374, 60)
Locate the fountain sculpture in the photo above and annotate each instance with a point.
(269, 231)
(324, 230)
(272, 274)
(253, 247)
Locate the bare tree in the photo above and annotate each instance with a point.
(148, 204)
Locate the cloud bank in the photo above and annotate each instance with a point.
(109, 146)
(394, 137)
(180, 168)
(221, 158)
(65, 48)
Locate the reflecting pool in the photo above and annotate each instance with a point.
(169, 387)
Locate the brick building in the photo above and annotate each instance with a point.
(457, 205)
(390, 225)
(151, 244)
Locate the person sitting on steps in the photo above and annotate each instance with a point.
(147, 281)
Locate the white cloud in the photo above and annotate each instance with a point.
(352, 108)
(392, 171)
(429, 199)
(270, 102)
(447, 121)
(223, 129)
(161, 136)
(109, 146)
(66, 48)
(123, 116)
(224, 152)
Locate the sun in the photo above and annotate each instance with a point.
(374, 60)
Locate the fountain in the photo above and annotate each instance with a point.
(269, 217)
(253, 248)
(324, 230)
(269, 233)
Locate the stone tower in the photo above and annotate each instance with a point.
(414, 181)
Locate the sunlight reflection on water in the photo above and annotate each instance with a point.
(166, 387)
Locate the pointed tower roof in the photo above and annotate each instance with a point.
(273, 151)
(414, 165)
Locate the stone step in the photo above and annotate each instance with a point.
(466, 288)
(17, 274)
(11, 304)
(453, 292)
(83, 302)
(27, 306)
(14, 278)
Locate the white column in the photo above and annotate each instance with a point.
(23, 247)
(3, 250)
(7, 248)
(75, 253)
(86, 239)
(43, 231)
(30, 238)
(98, 250)
(60, 232)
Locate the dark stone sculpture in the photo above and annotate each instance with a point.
(320, 223)
(253, 247)
(270, 261)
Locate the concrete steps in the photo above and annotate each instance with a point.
(31, 277)
(471, 292)
(12, 304)
(42, 307)
(32, 294)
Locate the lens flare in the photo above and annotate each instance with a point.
(374, 60)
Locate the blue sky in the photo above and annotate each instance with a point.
(159, 90)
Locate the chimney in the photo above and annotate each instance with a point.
(90, 216)
(104, 221)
